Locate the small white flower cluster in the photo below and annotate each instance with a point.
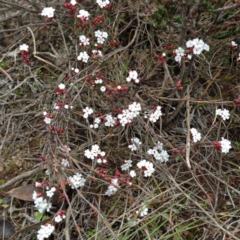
(65, 162)
(76, 181)
(179, 53)
(101, 36)
(223, 113)
(83, 15)
(40, 203)
(197, 45)
(47, 119)
(96, 123)
(135, 144)
(132, 174)
(75, 70)
(48, 12)
(109, 120)
(234, 44)
(147, 167)
(61, 86)
(60, 215)
(51, 192)
(158, 152)
(84, 41)
(127, 164)
(65, 149)
(133, 76)
(94, 153)
(87, 111)
(225, 145)
(103, 3)
(111, 190)
(143, 211)
(98, 81)
(23, 47)
(113, 187)
(57, 106)
(129, 114)
(59, 218)
(45, 231)
(154, 116)
(83, 56)
(73, 2)
(195, 135)
(97, 53)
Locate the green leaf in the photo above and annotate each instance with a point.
(38, 216)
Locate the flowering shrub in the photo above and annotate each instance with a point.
(120, 99)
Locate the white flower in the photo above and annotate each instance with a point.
(195, 135)
(87, 111)
(58, 218)
(147, 167)
(223, 113)
(153, 117)
(98, 81)
(60, 215)
(102, 88)
(66, 106)
(61, 86)
(135, 108)
(24, 47)
(101, 36)
(198, 45)
(96, 123)
(41, 204)
(132, 173)
(109, 121)
(45, 231)
(97, 53)
(133, 76)
(143, 211)
(83, 15)
(158, 153)
(111, 190)
(84, 40)
(51, 192)
(88, 154)
(126, 165)
(83, 56)
(48, 12)
(47, 120)
(73, 2)
(135, 144)
(103, 3)
(234, 44)
(129, 114)
(95, 151)
(65, 162)
(225, 145)
(179, 53)
(76, 181)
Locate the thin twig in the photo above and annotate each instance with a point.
(4, 72)
(226, 8)
(19, 177)
(35, 52)
(188, 128)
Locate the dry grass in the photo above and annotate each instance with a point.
(195, 200)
